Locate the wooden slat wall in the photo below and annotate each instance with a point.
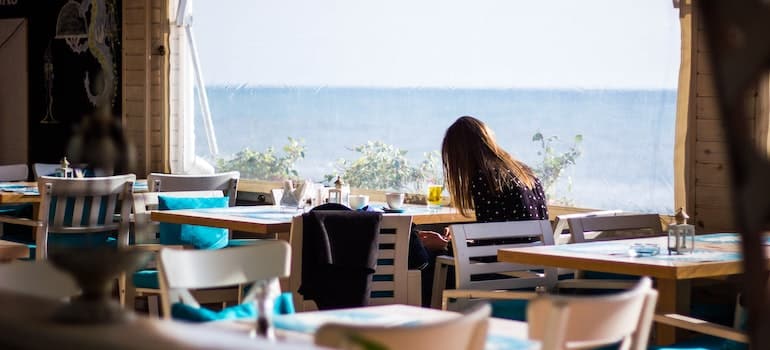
(144, 71)
(711, 192)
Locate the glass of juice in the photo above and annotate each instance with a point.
(433, 196)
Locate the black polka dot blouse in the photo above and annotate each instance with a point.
(516, 201)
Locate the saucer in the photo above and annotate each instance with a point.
(389, 210)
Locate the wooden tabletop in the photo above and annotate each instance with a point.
(26, 324)
(273, 219)
(10, 251)
(298, 327)
(715, 255)
(26, 192)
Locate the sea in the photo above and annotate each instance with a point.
(627, 135)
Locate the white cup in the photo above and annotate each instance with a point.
(358, 201)
(395, 200)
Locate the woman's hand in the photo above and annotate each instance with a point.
(434, 241)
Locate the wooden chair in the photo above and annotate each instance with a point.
(225, 182)
(585, 229)
(475, 254)
(85, 206)
(562, 322)
(392, 283)
(44, 169)
(38, 278)
(561, 225)
(145, 283)
(14, 172)
(592, 228)
(260, 264)
(464, 332)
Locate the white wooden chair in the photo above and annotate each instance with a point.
(392, 283)
(44, 169)
(225, 182)
(81, 206)
(585, 229)
(591, 228)
(14, 172)
(38, 278)
(561, 224)
(580, 322)
(261, 263)
(464, 332)
(473, 258)
(146, 238)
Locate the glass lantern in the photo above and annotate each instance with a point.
(681, 236)
(340, 192)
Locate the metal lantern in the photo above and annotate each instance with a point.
(339, 194)
(681, 236)
(65, 169)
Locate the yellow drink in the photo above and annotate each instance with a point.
(434, 195)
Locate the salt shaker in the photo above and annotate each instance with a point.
(264, 301)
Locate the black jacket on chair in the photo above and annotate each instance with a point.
(339, 256)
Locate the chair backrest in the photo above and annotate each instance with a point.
(622, 226)
(225, 182)
(464, 332)
(14, 172)
(146, 230)
(44, 169)
(578, 322)
(83, 205)
(561, 232)
(475, 254)
(182, 270)
(38, 278)
(390, 280)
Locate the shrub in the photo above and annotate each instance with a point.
(553, 163)
(266, 165)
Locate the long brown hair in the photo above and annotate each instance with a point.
(469, 149)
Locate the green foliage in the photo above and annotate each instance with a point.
(266, 165)
(385, 167)
(553, 163)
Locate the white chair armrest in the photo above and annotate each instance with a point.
(439, 278)
(20, 221)
(483, 294)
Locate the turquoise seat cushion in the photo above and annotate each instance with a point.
(282, 305)
(241, 242)
(147, 278)
(200, 237)
(510, 309)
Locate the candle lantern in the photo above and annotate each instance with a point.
(65, 169)
(681, 236)
(339, 194)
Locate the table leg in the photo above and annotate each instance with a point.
(673, 297)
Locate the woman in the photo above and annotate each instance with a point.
(482, 177)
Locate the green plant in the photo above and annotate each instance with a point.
(385, 167)
(553, 163)
(266, 165)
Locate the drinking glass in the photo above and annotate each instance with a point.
(433, 196)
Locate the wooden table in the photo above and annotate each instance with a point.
(502, 334)
(10, 251)
(26, 324)
(272, 219)
(7, 196)
(715, 255)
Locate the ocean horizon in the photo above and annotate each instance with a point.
(627, 148)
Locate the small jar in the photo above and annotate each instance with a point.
(681, 236)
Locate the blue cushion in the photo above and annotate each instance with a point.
(242, 242)
(282, 305)
(200, 237)
(510, 309)
(147, 278)
(700, 343)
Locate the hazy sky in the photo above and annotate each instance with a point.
(439, 43)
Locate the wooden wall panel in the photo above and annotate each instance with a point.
(144, 28)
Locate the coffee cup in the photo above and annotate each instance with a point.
(358, 201)
(395, 200)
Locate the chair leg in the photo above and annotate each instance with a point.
(439, 283)
(122, 291)
(153, 307)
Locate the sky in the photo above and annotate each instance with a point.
(607, 44)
